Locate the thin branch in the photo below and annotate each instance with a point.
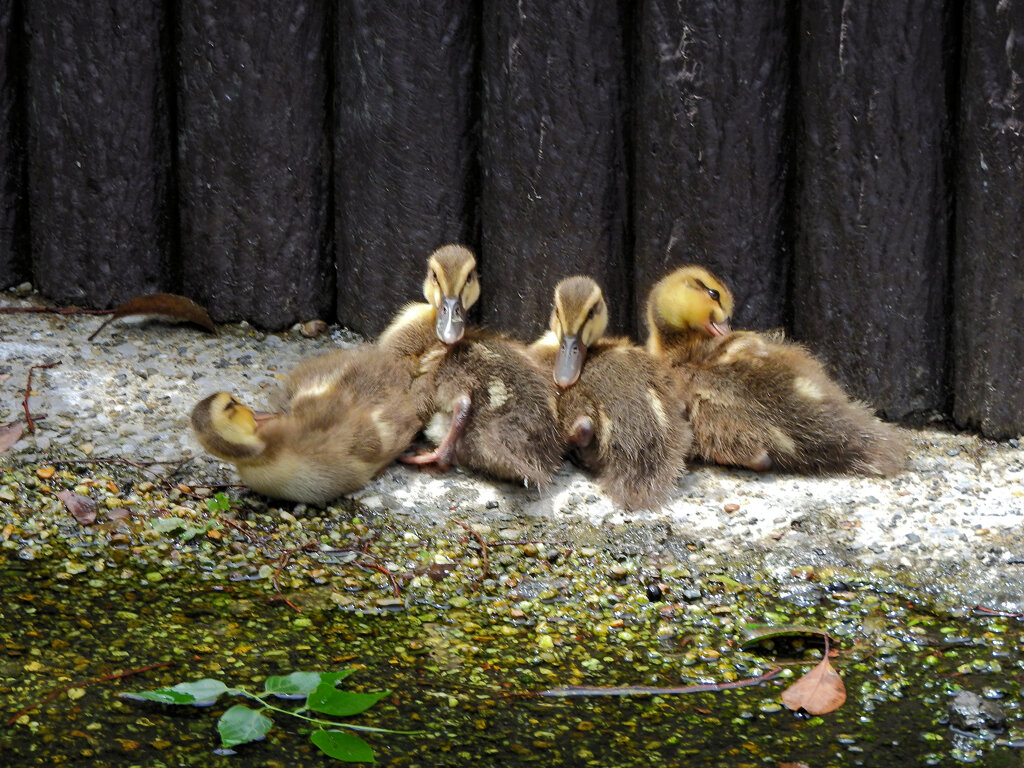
(30, 425)
(105, 678)
(647, 690)
(56, 310)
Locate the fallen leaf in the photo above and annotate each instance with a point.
(755, 634)
(10, 434)
(164, 305)
(818, 692)
(82, 508)
(45, 473)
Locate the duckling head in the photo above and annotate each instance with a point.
(579, 318)
(451, 287)
(690, 299)
(228, 429)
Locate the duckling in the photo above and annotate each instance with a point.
(618, 405)
(487, 405)
(348, 416)
(758, 401)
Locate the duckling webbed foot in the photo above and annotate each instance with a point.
(582, 432)
(444, 455)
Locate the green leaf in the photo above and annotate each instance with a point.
(160, 695)
(342, 746)
(754, 634)
(198, 693)
(293, 686)
(240, 725)
(219, 503)
(168, 524)
(329, 701)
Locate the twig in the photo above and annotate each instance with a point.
(56, 310)
(30, 425)
(105, 678)
(386, 572)
(647, 690)
(485, 568)
(993, 612)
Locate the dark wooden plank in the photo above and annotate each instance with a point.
(404, 148)
(712, 90)
(988, 324)
(13, 242)
(254, 159)
(99, 149)
(873, 229)
(553, 157)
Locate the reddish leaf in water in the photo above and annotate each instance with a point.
(10, 434)
(165, 305)
(818, 692)
(82, 508)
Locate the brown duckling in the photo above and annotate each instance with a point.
(487, 405)
(618, 405)
(348, 415)
(757, 401)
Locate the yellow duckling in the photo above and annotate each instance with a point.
(348, 415)
(618, 405)
(487, 405)
(756, 401)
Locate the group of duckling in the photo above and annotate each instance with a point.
(629, 415)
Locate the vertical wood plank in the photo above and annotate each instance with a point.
(553, 157)
(873, 230)
(405, 148)
(98, 149)
(988, 321)
(254, 159)
(712, 96)
(13, 245)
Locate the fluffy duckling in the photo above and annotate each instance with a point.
(487, 405)
(618, 405)
(757, 401)
(348, 416)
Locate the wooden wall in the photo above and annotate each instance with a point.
(856, 172)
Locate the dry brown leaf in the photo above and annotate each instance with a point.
(82, 508)
(10, 434)
(164, 305)
(818, 692)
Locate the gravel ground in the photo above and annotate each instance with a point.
(951, 522)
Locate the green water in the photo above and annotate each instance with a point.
(462, 672)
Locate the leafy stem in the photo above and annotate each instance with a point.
(318, 721)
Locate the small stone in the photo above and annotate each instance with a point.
(530, 550)
(970, 712)
(618, 571)
(731, 507)
(389, 602)
(22, 290)
(588, 551)
(492, 504)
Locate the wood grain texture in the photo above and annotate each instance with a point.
(99, 149)
(404, 148)
(553, 158)
(869, 286)
(254, 159)
(988, 287)
(712, 95)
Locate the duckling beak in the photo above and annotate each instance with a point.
(717, 329)
(262, 417)
(451, 320)
(569, 361)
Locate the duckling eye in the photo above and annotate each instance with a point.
(471, 278)
(715, 295)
